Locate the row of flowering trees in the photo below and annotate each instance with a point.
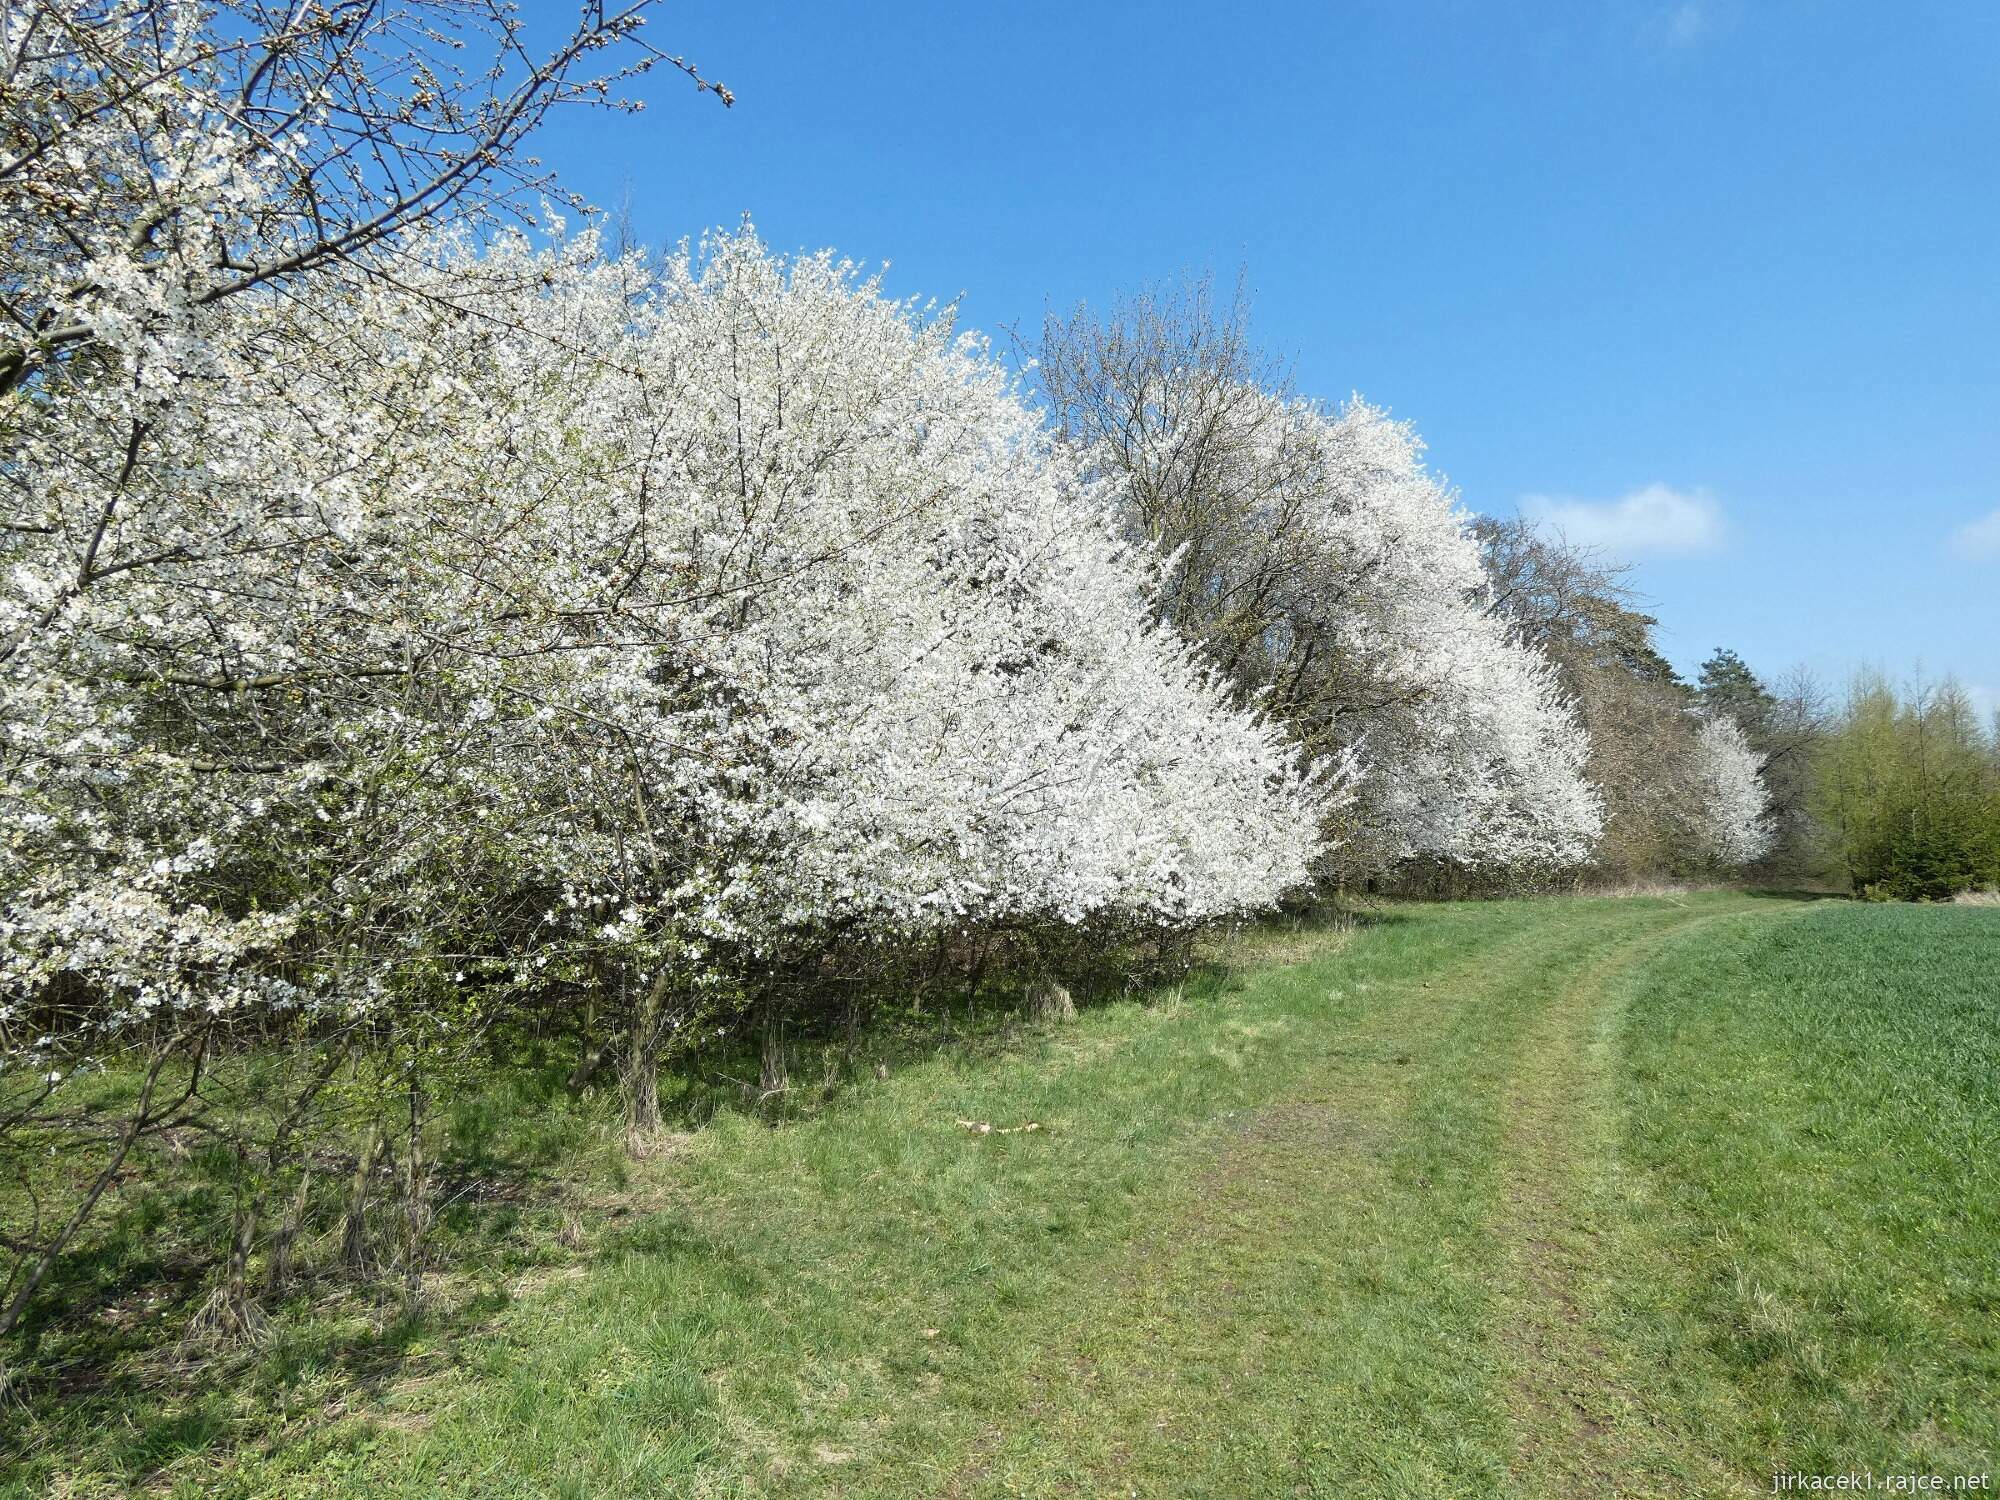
(705, 611)
(522, 622)
(1470, 669)
(409, 624)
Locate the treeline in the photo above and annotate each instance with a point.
(1513, 724)
(427, 647)
(1891, 792)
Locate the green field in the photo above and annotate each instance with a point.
(1648, 1196)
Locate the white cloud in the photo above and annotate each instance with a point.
(1678, 28)
(1684, 25)
(1979, 539)
(1657, 521)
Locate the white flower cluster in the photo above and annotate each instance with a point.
(124, 169)
(1342, 579)
(1474, 755)
(1735, 826)
(528, 605)
(388, 610)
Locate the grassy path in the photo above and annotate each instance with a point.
(1580, 1420)
(1323, 1270)
(1509, 1199)
(1394, 1250)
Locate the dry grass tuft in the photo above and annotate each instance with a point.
(1635, 889)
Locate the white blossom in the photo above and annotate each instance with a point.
(745, 604)
(1735, 827)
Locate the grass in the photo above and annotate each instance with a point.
(1643, 1196)
(1822, 1152)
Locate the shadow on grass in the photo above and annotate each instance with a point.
(127, 1407)
(828, 1060)
(531, 1186)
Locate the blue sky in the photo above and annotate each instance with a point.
(1714, 283)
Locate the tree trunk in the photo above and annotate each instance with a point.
(416, 1199)
(642, 1062)
(593, 1053)
(972, 978)
(278, 1273)
(772, 1077)
(235, 1314)
(354, 1227)
(850, 1035)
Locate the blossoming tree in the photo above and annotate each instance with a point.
(1734, 826)
(1337, 581)
(520, 624)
